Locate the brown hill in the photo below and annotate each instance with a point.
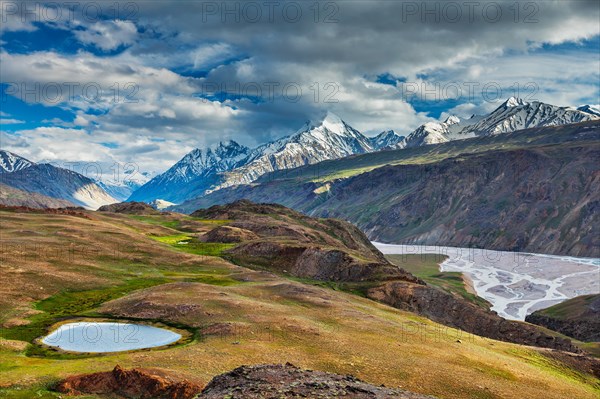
(290, 243)
(130, 208)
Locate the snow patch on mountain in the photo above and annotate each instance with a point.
(10, 162)
(512, 115)
(388, 140)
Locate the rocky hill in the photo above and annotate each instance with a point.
(131, 208)
(275, 238)
(10, 196)
(578, 317)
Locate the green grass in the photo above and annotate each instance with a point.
(159, 220)
(212, 222)
(72, 304)
(190, 245)
(426, 267)
(31, 393)
(571, 309)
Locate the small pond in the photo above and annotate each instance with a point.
(102, 337)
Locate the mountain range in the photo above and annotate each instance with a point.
(47, 185)
(229, 164)
(533, 190)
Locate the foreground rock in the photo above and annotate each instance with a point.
(134, 383)
(246, 382)
(578, 317)
(288, 381)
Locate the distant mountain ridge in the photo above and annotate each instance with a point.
(512, 115)
(229, 163)
(478, 192)
(202, 172)
(52, 186)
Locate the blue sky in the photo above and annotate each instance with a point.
(152, 80)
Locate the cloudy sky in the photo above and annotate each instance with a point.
(145, 82)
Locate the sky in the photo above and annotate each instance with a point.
(139, 84)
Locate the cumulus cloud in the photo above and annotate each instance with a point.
(8, 121)
(108, 35)
(192, 74)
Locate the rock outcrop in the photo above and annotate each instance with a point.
(133, 383)
(288, 381)
(457, 312)
(246, 382)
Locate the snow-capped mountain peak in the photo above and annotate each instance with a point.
(10, 162)
(452, 120)
(334, 123)
(514, 102)
(590, 109)
(388, 139)
(198, 164)
(512, 115)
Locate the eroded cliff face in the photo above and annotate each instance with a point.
(454, 311)
(578, 317)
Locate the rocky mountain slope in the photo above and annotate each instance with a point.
(229, 164)
(388, 140)
(10, 196)
(578, 318)
(476, 192)
(58, 183)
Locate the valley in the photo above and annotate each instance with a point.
(138, 267)
(516, 284)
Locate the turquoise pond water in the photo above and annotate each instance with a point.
(105, 337)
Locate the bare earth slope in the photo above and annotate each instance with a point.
(10, 196)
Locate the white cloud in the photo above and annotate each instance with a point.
(166, 118)
(7, 121)
(108, 35)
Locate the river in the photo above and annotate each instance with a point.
(515, 283)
